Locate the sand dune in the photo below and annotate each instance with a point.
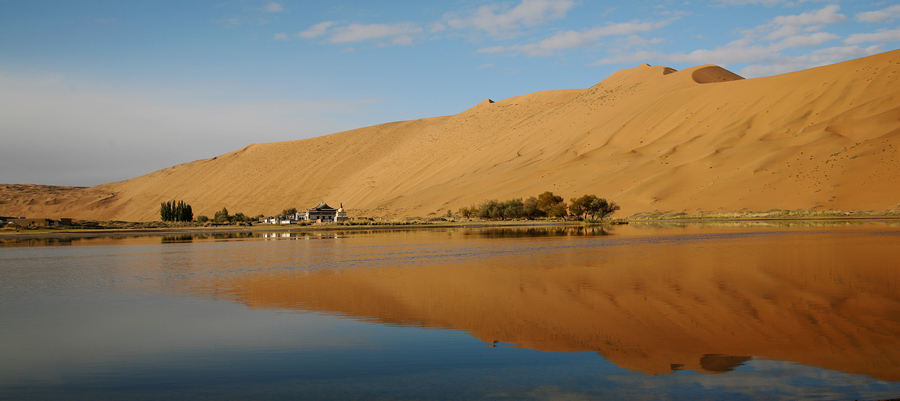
(650, 138)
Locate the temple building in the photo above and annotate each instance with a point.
(324, 213)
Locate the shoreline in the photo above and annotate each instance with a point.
(261, 228)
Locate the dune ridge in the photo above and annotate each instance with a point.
(650, 138)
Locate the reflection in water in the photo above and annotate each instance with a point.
(730, 302)
(174, 239)
(700, 301)
(514, 232)
(767, 223)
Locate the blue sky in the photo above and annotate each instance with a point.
(100, 91)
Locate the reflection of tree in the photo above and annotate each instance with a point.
(35, 241)
(174, 239)
(513, 232)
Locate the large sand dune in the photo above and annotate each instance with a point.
(649, 138)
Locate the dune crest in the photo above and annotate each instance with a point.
(649, 137)
(711, 74)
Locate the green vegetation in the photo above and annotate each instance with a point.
(171, 211)
(545, 205)
(593, 206)
(222, 217)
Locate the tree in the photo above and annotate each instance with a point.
(172, 211)
(607, 208)
(288, 211)
(551, 205)
(222, 216)
(587, 204)
(513, 209)
(593, 206)
(491, 209)
(577, 207)
(530, 208)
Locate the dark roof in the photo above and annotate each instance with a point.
(323, 206)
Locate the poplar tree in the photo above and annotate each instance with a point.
(175, 211)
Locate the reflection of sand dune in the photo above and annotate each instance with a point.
(828, 301)
(649, 137)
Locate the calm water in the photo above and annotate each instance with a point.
(635, 312)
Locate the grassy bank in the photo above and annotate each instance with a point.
(772, 214)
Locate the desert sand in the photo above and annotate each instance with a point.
(649, 138)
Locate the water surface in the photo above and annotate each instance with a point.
(636, 312)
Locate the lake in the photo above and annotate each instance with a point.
(643, 311)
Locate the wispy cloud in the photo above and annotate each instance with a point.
(280, 36)
(273, 7)
(767, 3)
(881, 36)
(316, 30)
(827, 15)
(763, 46)
(500, 20)
(403, 33)
(879, 16)
(573, 39)
(400, 34)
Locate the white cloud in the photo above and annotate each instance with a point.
(783, 32)
(572, 39)
(280, 36)
(316, 30)
(273, 7)
(839, 53)
(882, 36)
(827, 15)
(630, 58)
(762, 47)
(497, 20)
(890, 13)
(494, 19)
(804, 40)
(783, 64)
(767, 3)
(401, 33)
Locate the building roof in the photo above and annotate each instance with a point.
(323, 206)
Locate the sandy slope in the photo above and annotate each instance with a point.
(650, 138)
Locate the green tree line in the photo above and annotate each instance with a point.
(544, 205)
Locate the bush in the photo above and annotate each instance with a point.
(222, 217)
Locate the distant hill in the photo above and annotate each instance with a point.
(649, 138)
